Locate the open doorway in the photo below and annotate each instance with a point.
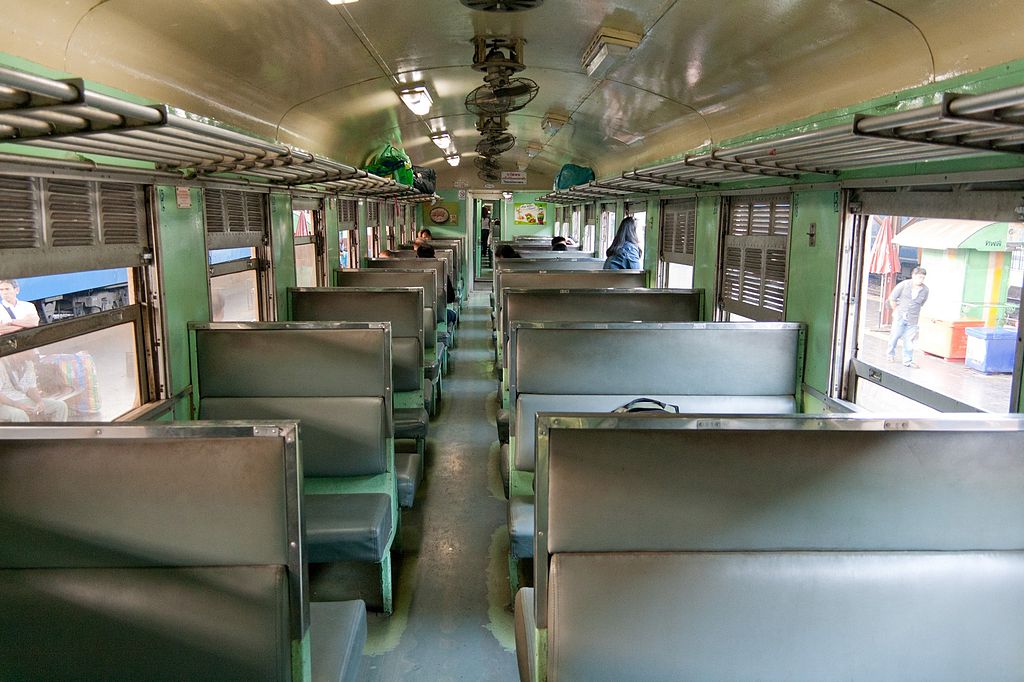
(486, 212)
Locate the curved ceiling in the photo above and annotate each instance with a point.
(324, 77)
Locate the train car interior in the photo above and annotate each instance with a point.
(511, 340)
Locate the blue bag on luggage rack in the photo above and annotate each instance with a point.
(572, 175)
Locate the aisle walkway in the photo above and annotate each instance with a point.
(452, 620)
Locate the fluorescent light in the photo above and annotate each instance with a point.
(607, 49)
(341, 2)
(534, 149)
(452, 159)
(552, 123)
(417, 98)
(506, 195)
(442, 139)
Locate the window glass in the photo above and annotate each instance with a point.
(305, 265)
(608, 226)
(233, 297)
(227, 255)
(62, 297)
(951, 329)
(90, 377)
(679, 276)
(346, 248)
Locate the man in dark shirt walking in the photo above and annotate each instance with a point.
(906, 300)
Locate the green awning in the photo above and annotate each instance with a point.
(932, 233)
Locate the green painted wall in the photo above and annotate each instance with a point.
(705, 251)
(182, 244)
(810, 296)
(509, 230)
(457, 227)
(282, 252)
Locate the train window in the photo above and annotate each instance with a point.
(678, 228)
(90, 376)
(348, 248)
(576, 231)
(70, 276)
(939, 307)
(304, 227)
(638, 211)
(236, 235)
(589, 228)
(753, 268)
(608, 226)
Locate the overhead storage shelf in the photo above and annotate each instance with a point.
(959, 126)
(65, 115)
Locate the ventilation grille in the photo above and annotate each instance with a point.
(19, 205)
(50, 226)
(502, 5)
(347, 210)
(234, 218)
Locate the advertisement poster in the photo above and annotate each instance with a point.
(529, 214)
(444, 213)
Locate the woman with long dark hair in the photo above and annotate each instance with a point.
(624, 252)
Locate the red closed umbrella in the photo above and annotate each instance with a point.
(884, 260)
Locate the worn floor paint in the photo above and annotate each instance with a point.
(452, 619)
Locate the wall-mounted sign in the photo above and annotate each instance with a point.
(182, 197)
(462, 195)
(529, 214)
(445, 213)
(461, 184)
(513, 177)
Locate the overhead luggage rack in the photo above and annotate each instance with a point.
(66, 115)
(956, 127)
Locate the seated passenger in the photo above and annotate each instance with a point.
(560, 246)
(624, 252)
(20, 398)
(506, 251)
(385, 254)
(15, 315)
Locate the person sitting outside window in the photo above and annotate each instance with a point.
(20, 398)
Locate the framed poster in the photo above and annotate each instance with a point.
(443, 213)
(529, 213)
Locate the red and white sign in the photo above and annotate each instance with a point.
(513, 177)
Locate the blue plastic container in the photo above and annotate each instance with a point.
(990, 349)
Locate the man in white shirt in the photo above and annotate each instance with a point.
(15, 315)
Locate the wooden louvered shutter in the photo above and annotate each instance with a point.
(234, 218)
(50, 226)
(678, 227)
(754, 257)
(372, 213)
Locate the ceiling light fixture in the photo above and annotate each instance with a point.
(442, 139)
(452, 159)
(534, 149)
(552, 122)
(341, 2)
(607, 49)
(417, 98)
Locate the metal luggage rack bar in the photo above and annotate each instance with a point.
(64, 114)
(958, 126)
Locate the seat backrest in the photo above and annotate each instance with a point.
(164, 551)
(394, 277)
(799, 547)
(600, 305)
(563, 279)
(437, 265)
(401, 306)
(334, 377)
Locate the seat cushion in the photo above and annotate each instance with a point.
(411, 422)
(520, 526)
(348, 526)
(407, 471)
(525, 625)
(337, 635)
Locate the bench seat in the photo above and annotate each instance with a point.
(411, 422)
(337, 638)
(348, 527)
(520, 526)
